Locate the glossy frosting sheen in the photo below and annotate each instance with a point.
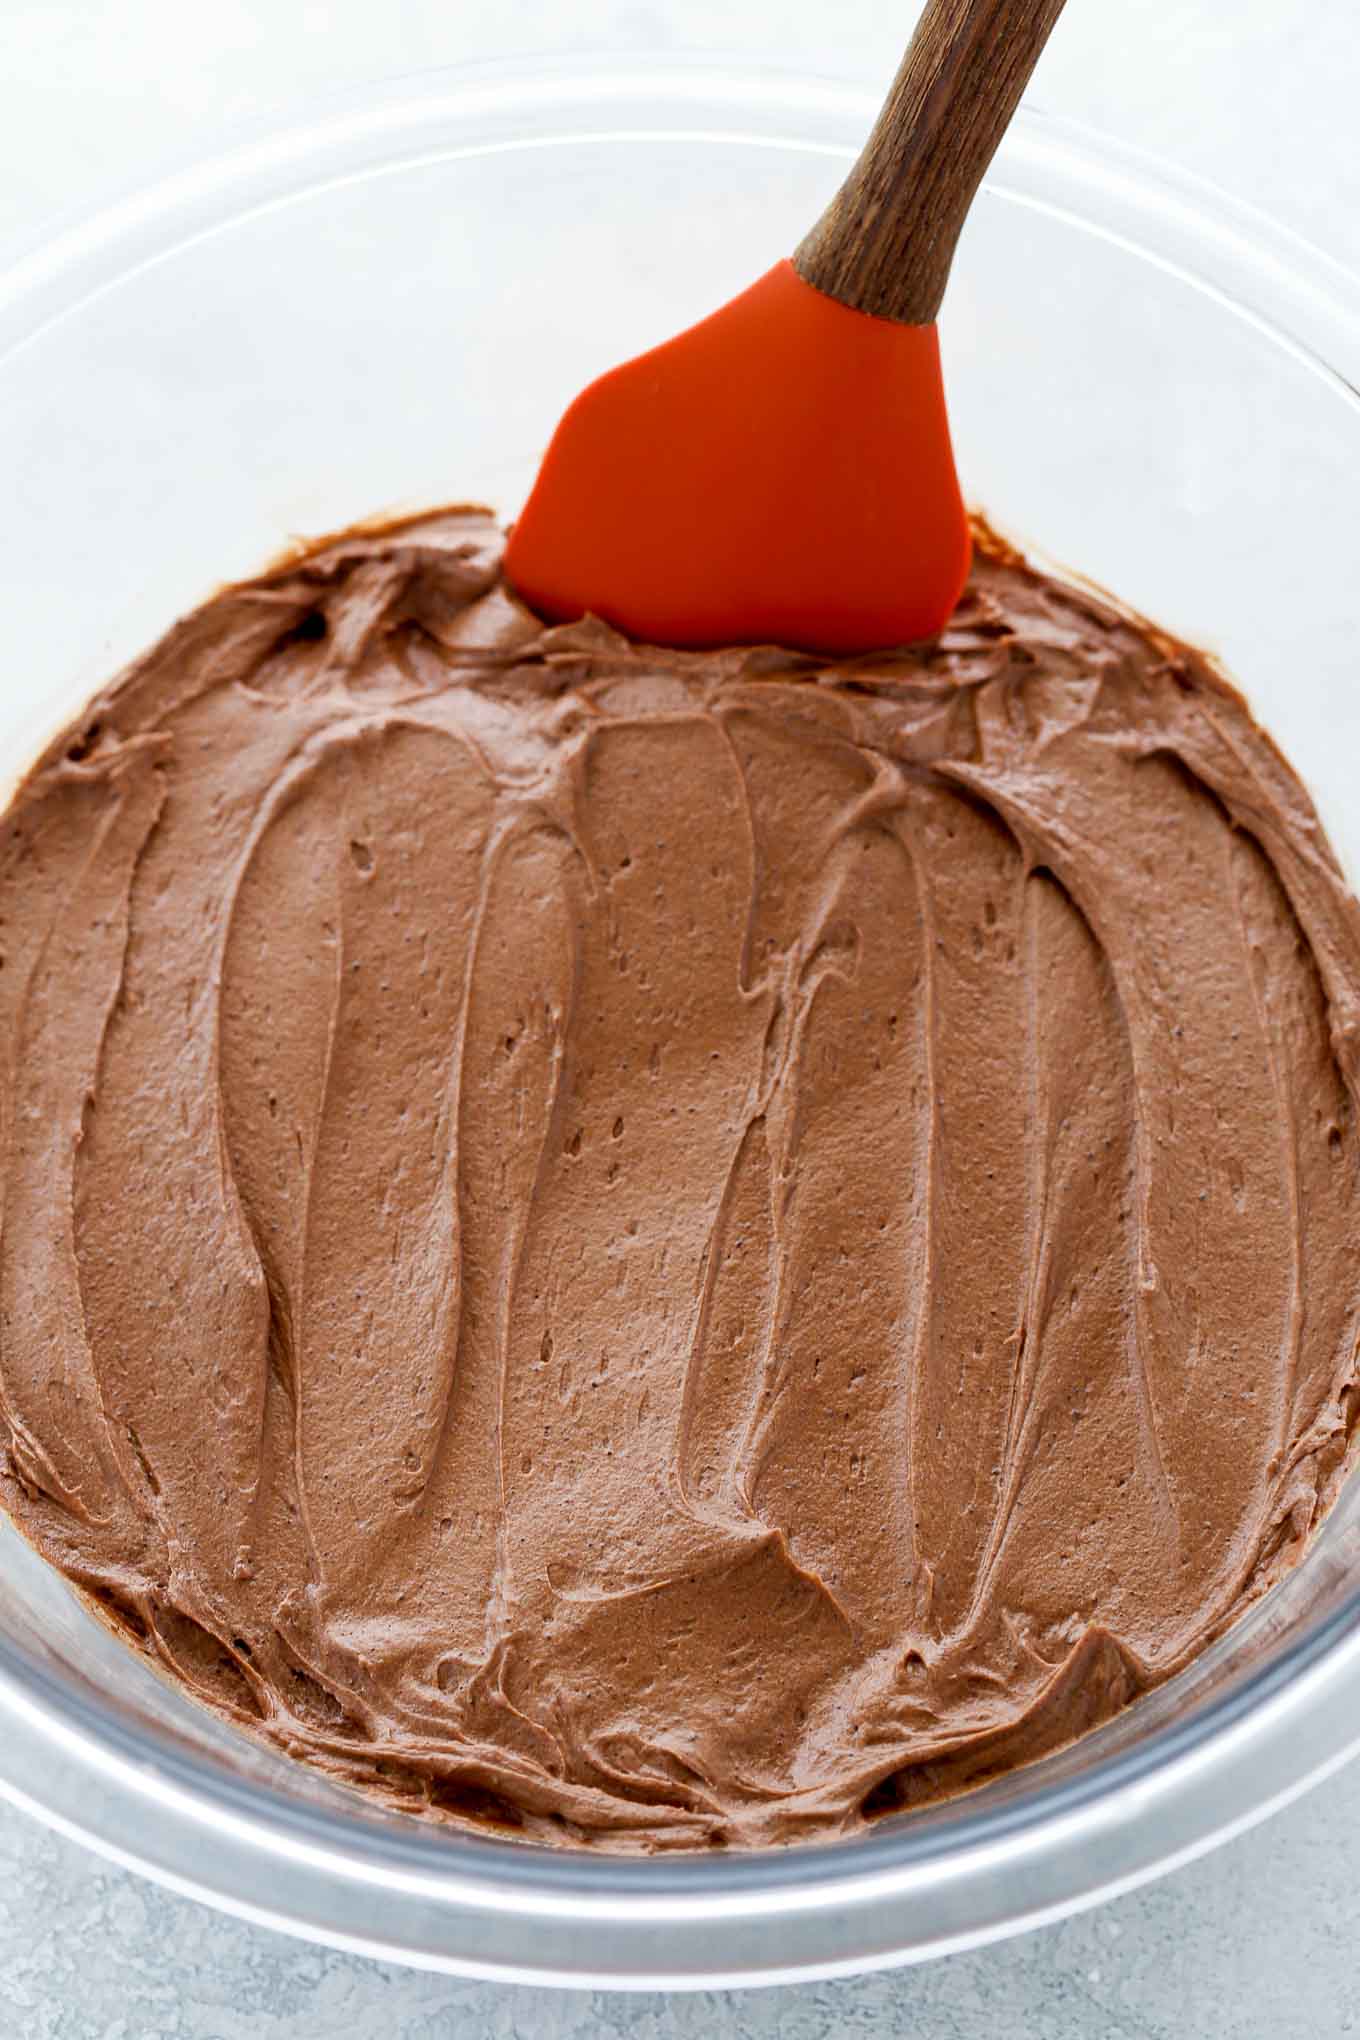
(664, 1249)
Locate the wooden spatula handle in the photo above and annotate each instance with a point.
(886, 241)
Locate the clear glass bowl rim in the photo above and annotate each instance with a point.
(901, 1893)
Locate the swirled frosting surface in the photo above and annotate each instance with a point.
(662, 1249)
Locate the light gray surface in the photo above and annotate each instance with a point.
(1254, 1940)
(1257, 94)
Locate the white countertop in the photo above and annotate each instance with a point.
(1258, 95)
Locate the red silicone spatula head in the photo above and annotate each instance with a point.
(782, 471)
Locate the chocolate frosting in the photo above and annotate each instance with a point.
(664, 1249)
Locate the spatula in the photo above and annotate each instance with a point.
(782, 472)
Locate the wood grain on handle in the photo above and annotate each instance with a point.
(886, 241)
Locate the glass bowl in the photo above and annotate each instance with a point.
(385, 307)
